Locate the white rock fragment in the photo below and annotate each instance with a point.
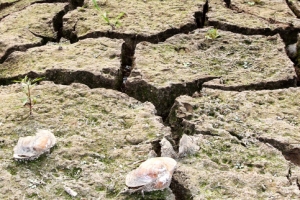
(152, 154)
(167, 149)
(187, 146)
(71, 192)
(31, 147)
(291, 50)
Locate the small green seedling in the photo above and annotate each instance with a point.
(116, 22)
(113, 23)
(27, 85)
(212, 34)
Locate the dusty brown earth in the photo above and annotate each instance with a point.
(119, 79)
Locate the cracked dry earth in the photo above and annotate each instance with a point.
(111, 93)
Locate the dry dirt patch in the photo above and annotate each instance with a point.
(141, 19)
(230, 128)
(94, 62)
(252, 17)
(224, 169)
(264, 115)
(101, 136)
(15, 28)
(8, 7)
(182, 63)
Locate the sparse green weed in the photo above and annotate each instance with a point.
(113, 23)
(27, 85)
(212, 34)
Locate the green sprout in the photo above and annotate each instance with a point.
(212, 34)
(113, 23)
(27, 85)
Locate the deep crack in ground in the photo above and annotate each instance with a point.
(127, 64)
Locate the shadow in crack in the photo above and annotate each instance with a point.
(178, 189)
(289, 152)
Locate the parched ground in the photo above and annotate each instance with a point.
(95, 62)
(183, 63)
(101, 135)
(141, 19)
(121, 76)
(237, 133)
(19, 30)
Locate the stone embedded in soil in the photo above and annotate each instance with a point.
(263, 17)
(94, 62)
(141, 19)
(167, 149)
(15, 28)
(237, 133)
(92, 155)
(187, 146)
(182, 63)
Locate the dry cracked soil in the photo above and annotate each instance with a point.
(119, 76)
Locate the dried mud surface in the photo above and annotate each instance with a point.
(101, 135)
(19, 30)
(253, 17)
(237, 133)
(95, 62)
(182, 63)
(114, 87)
(145, 19)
